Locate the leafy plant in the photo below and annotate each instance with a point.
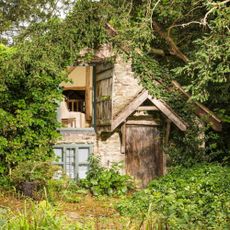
(40, 216)
(187, 198)
(103, 181)
(30, 177)
(64, 189)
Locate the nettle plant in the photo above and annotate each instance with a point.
(106, 181)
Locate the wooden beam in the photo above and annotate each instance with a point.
(123, 137)
(88, 103)
(168, 112)
(70, 69)
(201, 110)
(100, 129)
(129, 109)
(74, 88)
(104, 67)
(104, 75)
(167, 132)
(147, 108)
(141, 122)
(103, 122)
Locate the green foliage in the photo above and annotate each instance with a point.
(31, 71)
(103, 181)
(65, 190)
(28, 112)
(15, 16)
(40, 216)
(31, 171)
(188, 198)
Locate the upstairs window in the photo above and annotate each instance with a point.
(75, 100)
(76, 108)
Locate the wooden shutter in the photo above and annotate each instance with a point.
(104, 82)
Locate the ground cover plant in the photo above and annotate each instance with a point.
(187, 198)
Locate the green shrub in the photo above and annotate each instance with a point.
(103, 181)
(33, 171)
(29, 176)
(5, 182)
(194, 198)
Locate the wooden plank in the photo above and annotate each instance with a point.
(202, 111)
(73, 88)
(100, 129)
(167, 134)
(70, 69)
(168, 112)
(104, 75)
(102, 100)
(104, 88)
(129, 109)
(123, 130)
(103, 122)
(147, 108)
(146, 117)
(141, 122)
(103, 67)
(88, 104)
(142, 154)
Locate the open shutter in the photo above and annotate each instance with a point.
(104, 85)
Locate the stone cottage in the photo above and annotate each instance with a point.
(106, 112)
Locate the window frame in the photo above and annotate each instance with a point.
(77, 164)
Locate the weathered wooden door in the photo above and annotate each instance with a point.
(142, 149)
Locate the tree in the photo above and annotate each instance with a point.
(167, 40)
(16, 15)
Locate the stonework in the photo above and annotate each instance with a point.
(108, 148)
(125, 85)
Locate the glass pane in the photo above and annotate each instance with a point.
(59, 153)
(70, 162)
(83, 154)
(83, 169)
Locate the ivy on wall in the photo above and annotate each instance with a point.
(148, 32)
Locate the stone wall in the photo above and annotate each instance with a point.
(125, 85)
(107, 147)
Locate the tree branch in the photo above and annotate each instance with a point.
(203, 21)
(174, 48)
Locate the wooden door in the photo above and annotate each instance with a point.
(142, 149)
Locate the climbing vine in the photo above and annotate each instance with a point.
(31, 71)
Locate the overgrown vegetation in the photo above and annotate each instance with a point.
(41, 216)
(103, 181)
(186, 198)
(186, 40)
(166, 41)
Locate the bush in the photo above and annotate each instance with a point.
(30, 176)
(193, 198)
(103, 181)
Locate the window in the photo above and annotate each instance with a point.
(76, 108)
(75, 100)
(73, 159)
